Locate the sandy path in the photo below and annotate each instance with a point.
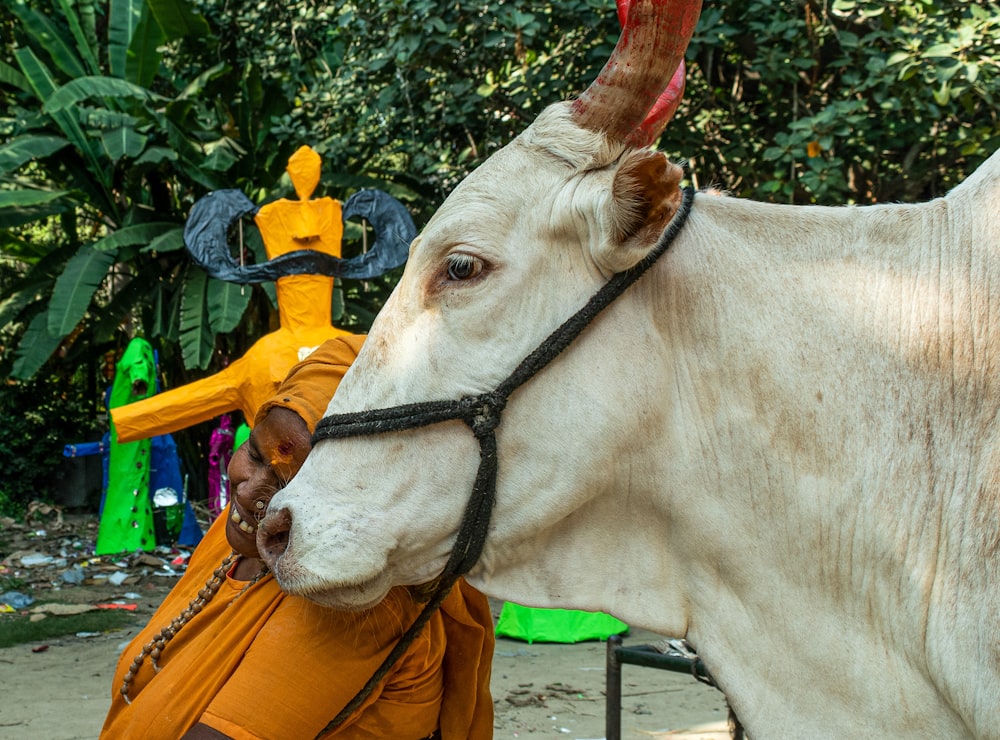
(542, 690)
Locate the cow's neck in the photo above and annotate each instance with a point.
(794, 420)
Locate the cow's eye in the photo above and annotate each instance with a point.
(463, 266)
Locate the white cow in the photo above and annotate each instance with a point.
(781, 443)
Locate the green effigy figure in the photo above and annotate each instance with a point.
(127, 517)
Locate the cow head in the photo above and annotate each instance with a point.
(514, 250)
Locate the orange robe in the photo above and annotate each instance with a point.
(269, 665)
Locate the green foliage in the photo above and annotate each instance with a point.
(98, 138)
(117, 124)
(793, 101)
(420, 92)
(194, 316)
(40, 417)
(850, 101)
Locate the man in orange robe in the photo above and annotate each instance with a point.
(253, 662)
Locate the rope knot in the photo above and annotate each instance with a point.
(483, 412)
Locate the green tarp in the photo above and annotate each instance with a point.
(556, 625)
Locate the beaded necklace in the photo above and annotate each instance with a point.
(154, 648)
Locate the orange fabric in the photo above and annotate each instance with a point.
(288, 226)
(310, 384)
(268, 665)
(467, 704)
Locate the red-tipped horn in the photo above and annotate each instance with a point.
(641, 85)
(622, 6)
(666, 105)
(662, 111)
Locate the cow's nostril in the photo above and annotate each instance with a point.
(272, 536)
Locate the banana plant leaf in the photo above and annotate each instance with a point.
(75, 287)
(197, 340)
(22, 149)
(25, 206)
(10, 76)
(42, 84)
(106, 324)
(130, 236)
(36, 346)
(169, 241)
(37, 281)
(196, 87)
(166, 314)
(156, 154)
(177, 18)
(95, 86)
(49, 38)
(84, 45)
(123, 142)
(226, 304)
(123, 17)
(143, 61)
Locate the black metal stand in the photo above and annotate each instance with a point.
(642, 655)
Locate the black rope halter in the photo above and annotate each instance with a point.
(482, 413)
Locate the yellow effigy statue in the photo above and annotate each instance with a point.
(304, 310)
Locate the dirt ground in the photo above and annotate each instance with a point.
(60, 689)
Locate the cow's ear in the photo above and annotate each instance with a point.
(646, 194)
